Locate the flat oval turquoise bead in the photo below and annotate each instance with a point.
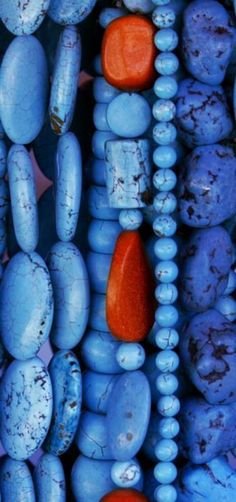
(98, 266)
(91, 437)
(90, 479)
(102, 235)
(26, 407)
(65, 80)
(65, 373)
(128, 414)
(97, 388)
(23, 198)
(23, 18)
(23, 106)
(97, 170)
(26, 305)
(98, 204)
(49, 479)
(68, 186)
(98, 352)
(129, 115)
(97, 318)
(3, 158)
(16, 484)
(102, 91)
(71, 294)
(70, 11)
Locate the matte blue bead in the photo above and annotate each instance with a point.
(166, 63)
(97, 64)
(26, 407)
(68, 186)
(165, 87)
(23, 105)
(165, 203)
(98, 204)
(164, 133)
(227, 306)
(130, 356)
(167, 361)
(65, 373)
(129, 115)
(99, 141)
(91, 437)
(91, 479)
(166, 294)
(163, 110)
(164, 156)
(98, 352)
(167, 384)
(97, 171)
(231, 285)
(3, 158)
(126, 474)
(163, 17)
(164, 180)
(102, 91)
(69, 11)
(109, 14)
(165, 472)
(102, 235)
(164, 226)
(16, 483)
(167, 338)
(98, 266)
(168, 427)
(165, 248)
(71, 294)
(166, 450)
(166, 316)
(49, 479)
(166, 39)
(165, 493)
(168, 406)
(166, 271)
(130, 219)
(26, 308)
(100, 117)
(97, 318)
(21, 19)
(97, 389)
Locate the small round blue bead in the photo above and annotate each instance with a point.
(165, 203)
(166, 63)
(166, 294)
(164, 180)
(166, 338)
(166, 271)
(168, 406)
(166, 316)
(163, 17)
(165, 248)
(166, 450)
(164, 226)
(164, 157)
(167, 384)
(130, 356)
(164, 110)
(165, 87)
(130, 219)
(166, 40)
(164, 133)
(168, 427)
(167, 361)
(165, 472)
(165, 493)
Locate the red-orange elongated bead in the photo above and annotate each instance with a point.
(124, 495)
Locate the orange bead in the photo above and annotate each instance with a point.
(130, 302)
(122, 495)
(128, 53)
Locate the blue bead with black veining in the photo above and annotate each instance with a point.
(49, 479)
(91, 437)
(102, 235)
(70, 11)
(90, 479)
(98, 352)
(23, 18)
(97, 388)
(16, 484)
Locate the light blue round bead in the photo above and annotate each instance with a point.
(130, 356)
(164, 180)
(167, 361)
(98, 142)
(165, 493)
(129, 115)
(108, 14)
(102, 235)
(166, 450)
(167, 338)
(165, 472)
(97, 389)
(100, 117)
(166, 271)
(166, 63)
(164, 110)
(49, 479)
(165, 87)
(23, 19)
(164, 133)
(168, 406)
(70, 11)
(167, 384)
(91, 437)
(98, 352)
(126, 474)
(165, 203)
(16, 482)
(164, 226)
(98, 204)
(166, 294)
(130, 219)
(166, 316)
(141, 6)
(166, 40)
(226, 305)
(97, 64)
(231, 283)
(168, 427)
(164, 157)
(163, 17)
(97, 319)
(98, 267)
(165, 248)
(102, 91)
(97, 171)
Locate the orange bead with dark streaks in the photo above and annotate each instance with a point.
(122, 495)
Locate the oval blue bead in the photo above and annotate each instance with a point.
(64, 370)
(71, 293)
(23, 106)
(26, 305)
(126, 474)
(97, 318)
(70, 11)
(22, 18)
(23, 198)
(16, 484)
(91, 479)
(98, 142)
(129, 115)
(26, 407)
(97, 388)
(108, 14)
(65, 80)
(102, 91)
(3, 158)
(68, 186)
(102, 235)
(91, 437)
(98, 204)
(100, 117)
(130, 356)
(98, 266)
(141, 6)
(97, 170)
(49, 479)
(98, 352)
(128, 414)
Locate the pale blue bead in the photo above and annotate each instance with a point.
(130, 219)
(166, 450)
(164, 226)
(166, 63)
(226, 305)
(231, 283)
(166, 316)
(97, 64)
(168, 427)
(165, 203)
(164, 180)
(102, 235)
(166, 40)
(141, 6)
(164, 156)
(167, 361)
(168, 406)
(102, 91)
(3, 158)
(164, 110)
(98, 267)
(165, 493)
(163, 17)
(98, 142)
(98, 204)
(97, 389)
(98, 352)
(97, 319)
(70, 11)
(126, 474)
(166, 271)
(166, 294)
(165, 87)
(130, 356)
(100, 117)
(49, 479)
(16, 482)
(129, 115)
(97, 171)
(165, 472)
(90, 479)
(167, 338)
(22, 18)
(108, 14)
(91, 437)
(164, 133)
(165, 248)
(167, 384)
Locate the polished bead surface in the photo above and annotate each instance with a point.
(167, 338)
(165, 248)
(165, 87)
(166, 493)
(165, 472)
(97, 388)
(129, 115)
(98, 204)
(16, 483)
(98, 267)
(164, 156)
(166, 271)
(103, 92)
(91, 437)
(23, 19)
(168, 406)
(49, 479)
(166, 63)
(100, 117)
(166, 450)
(166, 39)
(164, 226)
(70, 11)
(164, 180)
(164, 133)
(98, 352)
(98, 474)
(167, 361)
(166, 316)
(126, 474)
(167, 384)
(130, 219)
(130, 356)
(166, 294)
(163, 110)
(165, 203)
(140, 6)
(168, 427)
(102, 235)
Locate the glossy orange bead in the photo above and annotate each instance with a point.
(130, 302)
(128, 53)
(122, 495)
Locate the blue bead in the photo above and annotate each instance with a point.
(108, 14)
(97, 171)
(168, 406)
(130, 219)
(164, 156)
(152, 437)
(49, 479)
(166, 40)
(97, 389)
(165, 248)
(129, 115)
(21, 20)
(231, 283)
(165, 203)
(126, 474)
(166, 294)
(167, 384)
(226, 305)
(102, 235)
(98, 142)
(102, 91)
(97, 318)
(141, 6)
(165, 87)
(166, 316)
(167, 338)
(91, 479)
(16, 481)
(98, 352)
(166, 271)
(164, 133)
(167, 361)
(166, 63)
(98, 204)
(166, 450)
(163, 17)
(164, 226)
(164, 180)
(165, 472)
(70, 12)
(130, 356)
(164, 110)
(91, 437)
(165, 493)
(168, 427)
(98, 267)
(100, 117)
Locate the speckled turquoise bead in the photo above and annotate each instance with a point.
(98, 352)
(3, 158)
(102, 91)
(97, 317)
(164, 226)
(98, 204)
(97, 388)
(166, 39)
(130, 356)
(164, 180)
(166, 63)
(165, 203)
(166, 316)
(23, 19)
(126, 474)
(108, 14)
(130, 219)
(167, 338)
(166, 294)
(91, 437)
(129, 115)
(164, 157)
(49, 479)
(163, 17)
(166, 271)
(164, 133)
(166, 450)
(165, 472)
(70, 11)
(168, 406)
(165, 248)
(65, 80)
(164, 110)
(97, 171)
(99, 140)
(98, 267)
(102, 235)
(165, 87)
(166, 383)
(100, 117)
(91, 479)
(167, 361)
(226, 305)
(165, 493)
(16, 484)
(168, 427)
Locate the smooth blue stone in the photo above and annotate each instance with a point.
(23, 197)
(165, 472)
(97, 389)
(99, 140)
(68, 186)
(164, 110)
(26, 407)
(16, 484)
(100, 117)
(23, 19)
(207, 40)
(49, 479)
(165, 493)
(65, 373)
(97, 170)
(129, 115)
(207, 196)
(166, 450)
(97, 318)
(23, 106)
(130, 219)
(65, 80)
(166, 63)
(165, 156)
(130, 356)
(141, 6)
(91, 437)
(98, 352)
(164, 133)
(207, 259)
(4, 198)
(126, 474)
(71, 294)
(102, 91)
(90, 479)
(202, 113)
(26, 305)
(3, 158)
(70, 11)
(98, 204)
(226, 305)
(109, 14)
(128, 414)
(166, 39)
(98, 266)
(165, 87)
(102, 235)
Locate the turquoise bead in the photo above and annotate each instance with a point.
(130, 356)
(49, 479)
(163, 17)
(97, 318)
(108, 14)
(164, 157)
(164, 226)
(226, 305)
(165, 87)
(164, 110)
(98, 142)
(23, 19)
(166, 316)
(166, 450)
(166, 63)
(167, 361)
(97, 389)
(165, 248)
(168, 406)
(166, 39)
(166, 294)
(91, 437)
(165, 472)
(102, 91)
(168, 427)
(165, 203)
(166, 271)
(100, 117)
(16, 482)
(97, 171)
(167, 338)
(98, 204)
(167, 384)
(164, 133)
(91, 479)
(129, 115)
(70, 11)
(98, 352)
(98, 267)
(141, 6)
(102, 235)
(165, 493)
(126, 474)
(130, 219)
(164, 180)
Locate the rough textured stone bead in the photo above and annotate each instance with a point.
(26, 407)
(98, 474)
(126, 474)
(98, 266)
(23, 19)
(130, 219)
(109, 14)
(16, 483)
(98, 204)
(102, 235)
(97, 318)
(100, 117)
(26, 308)
(202, 113)
(127, 494)
(65, 80)
(23, 106)
(23, 197)
(207, 259)
(69, 11)
(91, 437)
(164, 180)
(49, 479)
(71, 294)
(129, 115)
(98, 352)
(97, 388)
(130, 356)
(128, 173)
(103, 92)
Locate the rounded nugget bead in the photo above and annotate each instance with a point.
(165, 493)
(165, 157)
(168, 406)
(165, 472)
(167, 361)
(168, 427)
(165, 87)
(166, 63)
(100, 117)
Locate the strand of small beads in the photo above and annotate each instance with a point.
(164, 226)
